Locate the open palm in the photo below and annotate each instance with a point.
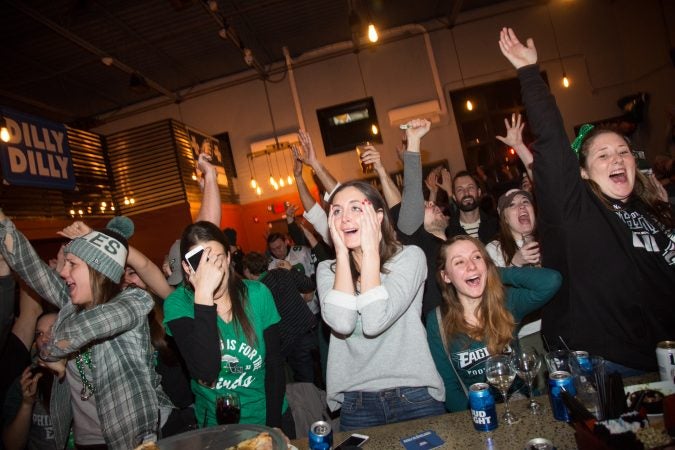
(518, 54)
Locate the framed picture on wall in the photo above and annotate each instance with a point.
(218, 147)
(347, 125)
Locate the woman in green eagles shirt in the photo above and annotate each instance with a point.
(226, 330)
(479, 313)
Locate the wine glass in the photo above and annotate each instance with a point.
(227, 408)
(500, 374)
(526, 362)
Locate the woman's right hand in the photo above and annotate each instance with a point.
(514, 131)
(209, 274)
(518, 54)
(528, 254)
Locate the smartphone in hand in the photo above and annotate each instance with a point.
(194, 256)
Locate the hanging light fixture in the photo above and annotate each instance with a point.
(289, 178)
(251, 169)
(565, 80)
(469, 105)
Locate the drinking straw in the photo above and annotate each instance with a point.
(564, 343)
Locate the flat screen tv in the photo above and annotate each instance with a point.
(347, 125)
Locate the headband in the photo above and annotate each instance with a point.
(583, 131)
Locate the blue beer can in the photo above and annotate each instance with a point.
(320, 436)
(482, 404)
(558, 382)
(584, 361)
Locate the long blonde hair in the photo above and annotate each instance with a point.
(495, 322)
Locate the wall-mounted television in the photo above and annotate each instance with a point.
(347, 125)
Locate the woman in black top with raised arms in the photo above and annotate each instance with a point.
(604, 226)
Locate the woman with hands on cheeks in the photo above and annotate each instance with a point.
(227, 331)
(603, 224)
(380, 369)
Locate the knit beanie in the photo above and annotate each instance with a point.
(105, 250)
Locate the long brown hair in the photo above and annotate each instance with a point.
(102, 288)
(642, 189)
(496, 323)
(203, 231)
(389, 245)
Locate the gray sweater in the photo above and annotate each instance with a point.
(378, 340)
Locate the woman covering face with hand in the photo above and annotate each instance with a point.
(380, 369)
(482, 306)
(604, 225)
(226, 330)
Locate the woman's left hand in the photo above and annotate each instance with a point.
(371, 231)
(210, 273)
(75, 230)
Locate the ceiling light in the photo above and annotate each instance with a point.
(374, 130)
(222, 33)
(565, 81)
(213, 5)
(107, 60)
(469, 105)
(372, 33)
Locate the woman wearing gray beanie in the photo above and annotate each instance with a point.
(101, 343)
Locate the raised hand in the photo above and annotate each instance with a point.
(308, 147)
(518, 54)
(514, 131)
(28, 384)
(205, 168)
(290, 213)
(416, 130)
(432, 180)
(370, 155)
(446, 181)
(297, 161)
(75, 230)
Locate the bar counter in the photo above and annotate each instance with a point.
(457, 430)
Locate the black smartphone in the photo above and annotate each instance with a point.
(194, 256)
(353, 441)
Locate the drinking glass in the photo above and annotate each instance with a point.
(500, 374)
(227, 408)
(360, 150)
(526, 362)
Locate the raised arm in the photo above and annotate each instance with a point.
(411, 216)
(313, 212)
(391, 194)
(327, 180)
(23, 259)
(7, 286)
(514, 139)
(149, 273)
(529, 288)
(210, 209)
(558, 181)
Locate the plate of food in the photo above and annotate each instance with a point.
(226, 437)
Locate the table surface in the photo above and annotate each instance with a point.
(457, 430)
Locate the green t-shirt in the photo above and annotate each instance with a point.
(242, 364)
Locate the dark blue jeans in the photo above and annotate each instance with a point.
(369, 409)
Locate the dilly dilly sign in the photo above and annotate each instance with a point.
(37, 153)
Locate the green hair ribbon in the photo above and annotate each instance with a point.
(583, 131)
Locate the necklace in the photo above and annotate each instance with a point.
(87, 388)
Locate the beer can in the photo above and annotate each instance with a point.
(320, 436)
(559, 381)
(539, 444)
(584, 360)
(482, 404)
(665, 356)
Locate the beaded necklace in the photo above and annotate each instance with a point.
(87, 388)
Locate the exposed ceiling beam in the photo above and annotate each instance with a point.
(90, 47)
(454, 13)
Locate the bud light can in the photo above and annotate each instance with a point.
(584, 361)
(320, 436)
(557, 382)
(482, 404)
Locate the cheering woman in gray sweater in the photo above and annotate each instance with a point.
(380, 369)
